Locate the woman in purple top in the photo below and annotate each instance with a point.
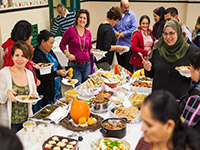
(79, 41)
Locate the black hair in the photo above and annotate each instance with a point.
(26, 49)
(194, 58)
(114, 13)
(164, 107)
(82, 11)
(44, 35)
(160, 12)
(172, 10)
(144, 17)
(21, 31)
(8, 140)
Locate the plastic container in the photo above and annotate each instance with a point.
(46, 69)
(29, 125)
(112, 83)
(71, 95)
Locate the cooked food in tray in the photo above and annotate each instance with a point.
(183, 68)
(120, 89)
(107, 74)
(60, 143)
(137, 99)
(145, 79)
(128, 113)
(45, 111)
(118, 125)
(45, 64)
(99, 100)
(141, 84)
(92, 83)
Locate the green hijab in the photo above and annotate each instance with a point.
(174, 52)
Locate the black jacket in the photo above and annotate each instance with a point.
(166, 77)
(105, 39)
(47, 86)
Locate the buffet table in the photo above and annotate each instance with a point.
(133, 135)
(133, 129)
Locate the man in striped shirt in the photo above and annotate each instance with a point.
(64, 20)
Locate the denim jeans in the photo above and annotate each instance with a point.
(80, 71)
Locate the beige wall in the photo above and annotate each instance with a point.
(188, 13)
(38, 16)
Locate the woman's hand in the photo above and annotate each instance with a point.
(38, 82)
(10, 94)
(147, 65)
(121, 48)
(62, 72)
(68, 78)
(71, 57)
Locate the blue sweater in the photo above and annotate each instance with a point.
(63, 23)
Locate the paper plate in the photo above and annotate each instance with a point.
(99, 53)
(85, 97)
(27, 99)
(67, 82)
(126, 48)
(184, 72)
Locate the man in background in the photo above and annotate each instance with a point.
(64, 20)
(123, 31)
(171, 13)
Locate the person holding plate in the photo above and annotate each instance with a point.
(141, 42)
(170, 51)
(14, 81)
(79, 41)
(50, 86)
(106, 39)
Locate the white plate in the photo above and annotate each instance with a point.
(85, 97)
(97, 142)
(185, 73)
(66, 81)
(28, 101)
(99, 53)
(126, 48)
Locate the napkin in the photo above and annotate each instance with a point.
(124, 51)
(99, 55)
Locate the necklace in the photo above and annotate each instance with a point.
(82, 48)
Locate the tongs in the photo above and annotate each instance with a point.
(141, 56)
(106, 78)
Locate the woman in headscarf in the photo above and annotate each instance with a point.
(170, 52)
(158, 15)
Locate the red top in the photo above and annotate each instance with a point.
(7, 58)
(137, 45)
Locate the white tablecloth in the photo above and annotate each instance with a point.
(133, 134)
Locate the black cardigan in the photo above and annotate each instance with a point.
(166, 77)
(105, 38)
(47, 86)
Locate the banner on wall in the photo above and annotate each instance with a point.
(21, 3)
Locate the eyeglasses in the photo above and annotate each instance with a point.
(170, 33)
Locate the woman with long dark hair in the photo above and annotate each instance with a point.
(158, 15)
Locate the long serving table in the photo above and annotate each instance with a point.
(133, 134)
